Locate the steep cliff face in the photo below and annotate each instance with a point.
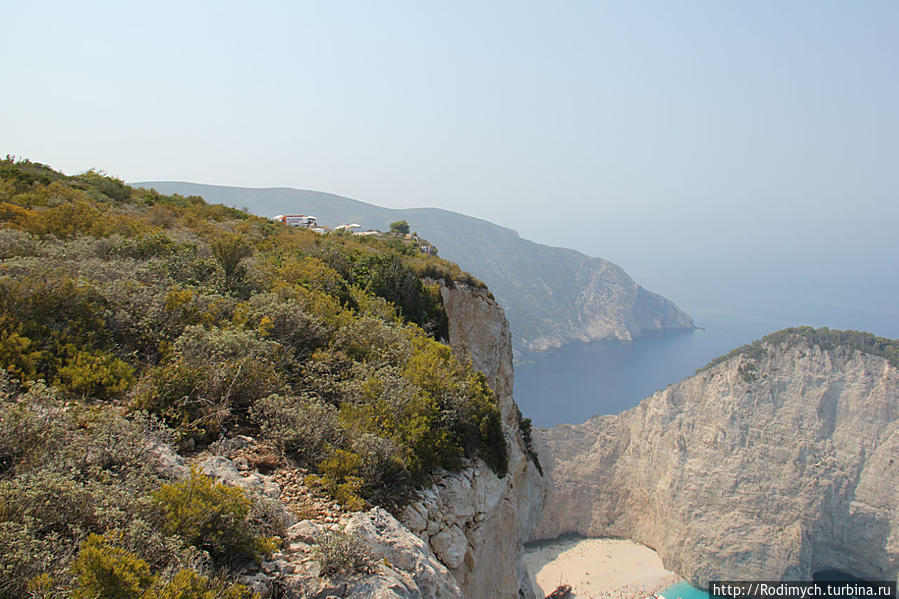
(474, 521)
(771, 464)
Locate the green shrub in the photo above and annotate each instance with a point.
(107, 571)
(43, 586)
(374, 306)
(371, 340)
(179, 394)
(438, 269)
(31, 425)
(400, 227)
(23, 557)
(16, 243)
(283, 320)
(303, 428)
(161, 215)
(387, 405)
(105, 186)
(66, 221)
(56, 330)
(467, 400)
(492, 441)
(211, 517)
(188, 267)
(199, 345)
(20, 355)
(386, 275)
(50, 504)
(239, 365)
(229, 250)
(187, 584)
(22, 174)
(384, 469)
(311, 273)
(95, 374)
(340, 476)
(341, 553)
(526, 429)
(181, 307)
(104, 570)
(150, 245)
(197, 400)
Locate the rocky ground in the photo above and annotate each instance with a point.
(397, 563)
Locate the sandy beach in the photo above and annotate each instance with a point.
(597, 568)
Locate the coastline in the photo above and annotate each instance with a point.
(597, 568)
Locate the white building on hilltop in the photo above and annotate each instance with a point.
(297, 220)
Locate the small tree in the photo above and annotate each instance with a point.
(400, 227)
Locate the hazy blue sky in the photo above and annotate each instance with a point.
(658, 134)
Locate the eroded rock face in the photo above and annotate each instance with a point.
(759, 468)
(391, 543)
(474, 521)
(401, 565)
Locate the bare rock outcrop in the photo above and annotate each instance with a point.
(400, 565)
(474, 521)
(776, 463)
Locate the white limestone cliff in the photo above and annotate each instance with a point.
(474, 521)
(769, 465)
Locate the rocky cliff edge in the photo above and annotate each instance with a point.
(462, 537)
(472, 520)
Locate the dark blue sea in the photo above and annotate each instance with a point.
(581, 380)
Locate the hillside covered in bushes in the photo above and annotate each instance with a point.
(130, 319)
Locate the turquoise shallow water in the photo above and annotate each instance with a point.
(685, 591)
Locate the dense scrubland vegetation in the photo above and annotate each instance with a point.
(823, 337)
(130, 319)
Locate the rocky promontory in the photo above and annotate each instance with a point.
(776, 462)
